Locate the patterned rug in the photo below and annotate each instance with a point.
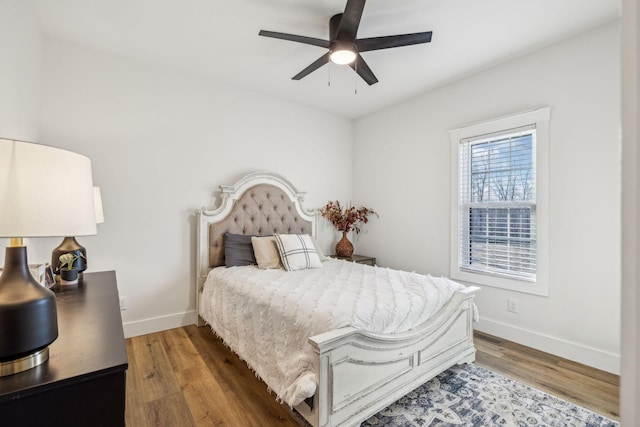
(469, 395)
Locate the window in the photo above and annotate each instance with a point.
(496, 204)
(496, 211)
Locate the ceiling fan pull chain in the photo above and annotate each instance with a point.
(355, 79)
(329, 81)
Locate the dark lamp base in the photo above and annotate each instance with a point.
(24, 363)
(27, 312)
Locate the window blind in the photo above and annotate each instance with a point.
(497, 204)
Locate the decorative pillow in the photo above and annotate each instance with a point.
(266, 252)
(238, 250)
(297, 252)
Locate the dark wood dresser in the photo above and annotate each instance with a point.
(83, 383)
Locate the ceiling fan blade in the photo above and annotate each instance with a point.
(363, 70)
(311, 68)
(375, 43)
(350, 21)
(295, 38)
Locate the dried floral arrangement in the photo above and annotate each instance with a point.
(346, 219)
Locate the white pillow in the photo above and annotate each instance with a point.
(266, 252)
(297, 252)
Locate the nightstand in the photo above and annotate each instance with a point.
(360, 259)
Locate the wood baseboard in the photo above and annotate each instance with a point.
(599, 359)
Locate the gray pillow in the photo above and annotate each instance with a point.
(238, 250)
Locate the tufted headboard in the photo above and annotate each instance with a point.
(262, 210)
(261, 203)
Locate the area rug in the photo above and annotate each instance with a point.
(468, 395)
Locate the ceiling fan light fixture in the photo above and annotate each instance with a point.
(343, 53)
(344, 45)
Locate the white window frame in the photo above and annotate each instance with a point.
(540, 119)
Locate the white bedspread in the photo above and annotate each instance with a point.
(267, 316)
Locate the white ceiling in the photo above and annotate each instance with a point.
(219, 39)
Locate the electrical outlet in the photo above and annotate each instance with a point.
(512, 305)
(123, 303)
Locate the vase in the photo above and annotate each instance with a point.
(344, 248)
(68, 276)
(69, 246)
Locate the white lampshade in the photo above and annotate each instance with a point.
(44, 191)
(97, 201)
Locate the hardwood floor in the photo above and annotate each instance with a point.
(585, 386)
(187, 377)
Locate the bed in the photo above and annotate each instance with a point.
(350, 373)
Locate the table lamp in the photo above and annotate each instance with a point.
(44, 192)
(70, 244)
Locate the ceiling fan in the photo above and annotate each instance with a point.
(343, 44)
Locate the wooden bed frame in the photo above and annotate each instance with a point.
(358, 373)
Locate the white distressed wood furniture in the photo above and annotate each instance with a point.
(358, 373)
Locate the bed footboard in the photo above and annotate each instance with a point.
(360, 373)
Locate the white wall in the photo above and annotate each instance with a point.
(402, 170)
(161, 143)
(20, 63)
